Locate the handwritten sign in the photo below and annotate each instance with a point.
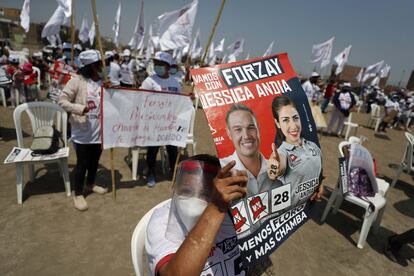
(141, 118)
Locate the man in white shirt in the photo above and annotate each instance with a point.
(128, 68)
(160, 81)
(114, 68)
(311, 89)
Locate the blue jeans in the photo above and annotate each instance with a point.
(324, 104)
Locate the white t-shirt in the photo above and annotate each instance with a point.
(223, 258)
(114, 73)
(127, 72)
(312, 90)
(154, 82)
(92, 135)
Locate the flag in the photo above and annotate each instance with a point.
(372, 70)
(211, 51)
(52, 26)
(196, 47)
(385, 71)
(179, 55)
(359, 76)
(236, 48)
(150, 44)
(247, 56)
(66, 6)
(91, 34)
(54, 40)
(175, 27)
(375, 81)
(115, 27)
(321, 53)
(341, 59)
(137, 39)
(84, 31)
(25, 16)
(268, 50)
(220, 47)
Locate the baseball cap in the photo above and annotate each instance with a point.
(164, 57)
(89, 57)
(315, 74)
(66, 45)
(126, 52)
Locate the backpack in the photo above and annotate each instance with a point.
(45, 140)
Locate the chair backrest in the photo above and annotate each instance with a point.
(409, 152)
(40, 114)
(138, 240)
(37, 70)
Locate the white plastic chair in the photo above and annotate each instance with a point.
(375, 116)
(190, 141)
(3, 97)
(370, 218)
(138, 240)
(40, 114)
(359, 105)
(349, 126)
(408, 159)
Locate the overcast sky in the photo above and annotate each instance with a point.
(376, 29)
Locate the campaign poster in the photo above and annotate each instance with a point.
(258, 113)
(135, 117)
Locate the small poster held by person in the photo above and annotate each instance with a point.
(260, 117)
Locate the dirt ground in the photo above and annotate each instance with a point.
(46, 235)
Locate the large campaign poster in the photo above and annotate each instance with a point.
(135, 117)
(259, 115)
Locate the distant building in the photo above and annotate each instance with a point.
(350, 73)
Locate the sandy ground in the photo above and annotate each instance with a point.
(47, 236)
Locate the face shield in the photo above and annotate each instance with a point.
(192, 192)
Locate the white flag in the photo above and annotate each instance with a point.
(84, 31)
(66, 6)
(321, 53)
(175, 27)
(360, 74)
(212, 60)
(25, 16)
(211, 53)
(196, 47)
(248, 56)
(341, 59)
(372, 70)
(269, 49)
(223, 60)
(235, 49)
(150, 44)
(115, 27)
(375, 81)
(179, 55)
(220, 47)
(52, 26)
(385, 71)
(137, 39)
(92, 33)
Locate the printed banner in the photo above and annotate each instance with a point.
(132, 117)
(25, 154)
(260, 117)
(343, 175)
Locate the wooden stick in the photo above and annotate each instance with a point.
(213, 30)
(73, 31)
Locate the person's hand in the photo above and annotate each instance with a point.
(273, 164)
(107, 84)
(229, 186)
(85, 110)
(317, 194)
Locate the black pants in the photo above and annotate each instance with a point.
(382, 126)
(399, 240)
(87, 159)
(152, 158)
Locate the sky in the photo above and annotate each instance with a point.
(376, 29)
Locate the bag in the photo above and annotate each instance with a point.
(359, 183)
(45, 140)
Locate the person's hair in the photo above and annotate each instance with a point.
(277, 104)
(239, 107)
(86, 71)
(206, 158)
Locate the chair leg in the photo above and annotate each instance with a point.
(135, 155)
(65, 173)
(377, 221)
(366, 225)
(377, 123)
(399, 171)
(329, 204)
(19, 182)
(3, 97)
(31, 172)
(338, 203)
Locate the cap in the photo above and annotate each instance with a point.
(66, 46)
(346, 84)
(109, 54)
(126, 52)
(163, 56)
(78, 47)
(89, 57)
(142, 66)
(37, 55)
(315, 74)
(13, 59)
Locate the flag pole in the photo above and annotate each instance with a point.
(213, 30)
(72, 32)
(98, 39)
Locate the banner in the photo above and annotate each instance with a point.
(25, 155)
(258, 113)
(132, 117)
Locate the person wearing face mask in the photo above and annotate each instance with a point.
(160, 81)
(185, 236)
(141, 74)
(81, 97)
(175, 72)
(127, 69)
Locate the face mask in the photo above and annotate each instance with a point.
(173, 71)
(141, 73)
(159, 70)
(189, 210)
(126, 58)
